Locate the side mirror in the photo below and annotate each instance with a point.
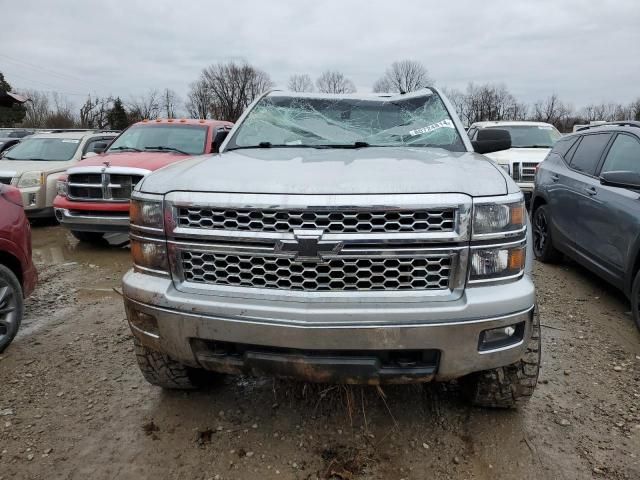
(491, 140)
(100, 147)
(218, 139)
(622, 179)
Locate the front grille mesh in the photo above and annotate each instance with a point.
(335, 274)
(343, 221)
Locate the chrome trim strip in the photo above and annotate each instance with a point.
(73, 218)
(104, 169)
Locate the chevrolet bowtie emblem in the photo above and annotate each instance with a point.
(308, 245)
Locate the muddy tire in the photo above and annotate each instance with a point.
(88, 237)
(11, 307)
(510, 386)
(542, 242)
(161, 370)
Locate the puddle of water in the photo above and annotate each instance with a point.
(56, 246)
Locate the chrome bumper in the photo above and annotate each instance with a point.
(452, 328)
(92, 223)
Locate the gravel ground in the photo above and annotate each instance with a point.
(73, 404)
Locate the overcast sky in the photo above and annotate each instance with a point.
(586, 51)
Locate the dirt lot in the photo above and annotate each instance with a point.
(74, 405)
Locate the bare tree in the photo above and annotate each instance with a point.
(403, 77)
(551, 110)
(93, 113)
(334, 82)
(61, 116)
(37, 109)
(170, 103)
(300, 83)
(487, 102)
(233, 86)
(145, 106)
(199, 100)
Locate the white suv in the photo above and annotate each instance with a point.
(35, 164)
(531, 142)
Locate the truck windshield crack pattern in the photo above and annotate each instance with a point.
(335, 274)
(336, 221)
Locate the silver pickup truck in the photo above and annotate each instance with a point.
(338, 238)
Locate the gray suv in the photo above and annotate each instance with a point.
(586, 204)
(338, 238)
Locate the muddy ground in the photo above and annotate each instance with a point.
(73, 404)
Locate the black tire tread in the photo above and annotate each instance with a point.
(512, 385)
(161, 370)
(550, 254)
(8, 274)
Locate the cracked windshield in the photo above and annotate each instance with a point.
(325, 122)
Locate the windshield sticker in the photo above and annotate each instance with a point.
(66, 140)
(544, 127)
(430, 128)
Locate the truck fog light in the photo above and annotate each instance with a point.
(501, 336)
(143, 321)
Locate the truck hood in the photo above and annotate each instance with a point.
(533, 155)
(333, 171)
(12, 168)
(146, 160)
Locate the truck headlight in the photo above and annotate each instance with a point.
(492, 220)
(146, 213)
(497, 263)
(149, 254)
(31, 179)
(62, 187)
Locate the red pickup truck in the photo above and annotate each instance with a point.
(93, 195)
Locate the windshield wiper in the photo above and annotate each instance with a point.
(301, 145)
(168, 149)
(125, 148)
(345, 145)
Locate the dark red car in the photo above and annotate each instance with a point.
(18, 275)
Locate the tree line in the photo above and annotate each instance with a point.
(224, 90)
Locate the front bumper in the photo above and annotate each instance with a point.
(334, 342)
(83, 222)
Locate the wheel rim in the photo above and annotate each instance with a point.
(540, 232)
(8, 312)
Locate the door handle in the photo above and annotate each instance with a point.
(554, 177)
(591, 190)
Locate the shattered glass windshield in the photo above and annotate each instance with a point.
(282, 121)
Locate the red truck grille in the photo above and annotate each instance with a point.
(110, 187)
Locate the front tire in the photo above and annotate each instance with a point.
(11, 307)
(88, 237)
(161, 370)
(635, 300)
(510, 386)
(542, 242)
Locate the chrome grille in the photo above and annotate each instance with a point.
(528, 172)
(524, 172)
(102, 186)
(430, 272)
(331, 221)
